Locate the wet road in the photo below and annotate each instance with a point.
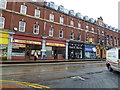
(86, 75)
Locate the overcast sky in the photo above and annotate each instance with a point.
(108, 9)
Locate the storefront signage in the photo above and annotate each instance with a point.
(26, 41)
(18, 45)
(4, 37)
(55, 44)
(75, 46)
(90, 40)
(90, 49)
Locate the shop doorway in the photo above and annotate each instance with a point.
(101, 53)
(27, 52)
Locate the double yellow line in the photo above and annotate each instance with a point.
(28, 84)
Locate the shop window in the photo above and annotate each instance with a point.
(2, 21)
(3, 4)
(60, 33)
(51, 31)
(61, 20)
(22, 26)
(79, 25)
(37, 13)
(72, 35)
(23, 9)
(51, 17)
(72, 23)
(36, 29)
(3, 50)
(18, 49)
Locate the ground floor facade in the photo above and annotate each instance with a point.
(20, 46)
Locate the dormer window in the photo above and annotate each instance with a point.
(3, 4)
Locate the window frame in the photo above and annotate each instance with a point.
(51, 31)
(37, 13)
(23, 9)
(60, 33)
(3, 4)
(37, 29)
(72, 23)
(22, 26)
(79, 25)
(52, 17)
(2, 23)
(72, 36)
(61, 20)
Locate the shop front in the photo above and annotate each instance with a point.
(75, 50)
(55, 48)
(4, 40)
(24, 46)
(101, 51)
(90, 52)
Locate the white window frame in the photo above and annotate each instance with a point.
(72, 35)
(2, 22)
(23, 9)
(87, 27)
(79, 25)
(61, 20)
(24, 25)
(79, 36)
(98, 31)
(61, 33)
(37, 13)
(72, 23)
(93, 29)
(3, 4)
(51, 31)
(52, 17)
(36, 29)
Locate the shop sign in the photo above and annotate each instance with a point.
(90, 49)
(55, 44)
(26, 41)
(90, 40)
(18, 45)
(75, 46)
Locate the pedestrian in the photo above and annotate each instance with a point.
(35, 56)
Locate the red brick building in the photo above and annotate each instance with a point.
(55, 32)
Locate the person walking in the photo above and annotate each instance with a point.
(35, 56)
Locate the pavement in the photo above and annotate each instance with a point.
(13, 63)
